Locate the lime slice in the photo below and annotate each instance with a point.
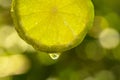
(52, 25)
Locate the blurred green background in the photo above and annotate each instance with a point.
(96, 58)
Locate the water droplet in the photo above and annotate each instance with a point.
(54, 56)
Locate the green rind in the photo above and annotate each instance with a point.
(52, 49)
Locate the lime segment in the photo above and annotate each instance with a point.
(52, 25)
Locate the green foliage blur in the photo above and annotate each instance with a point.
(96, 58)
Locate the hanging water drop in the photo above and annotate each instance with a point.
(54, 56)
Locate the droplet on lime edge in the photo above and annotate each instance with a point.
(54, 56)
(45, 59)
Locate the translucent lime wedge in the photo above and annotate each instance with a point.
(52, 25)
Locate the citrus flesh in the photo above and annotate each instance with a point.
(52, 25)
